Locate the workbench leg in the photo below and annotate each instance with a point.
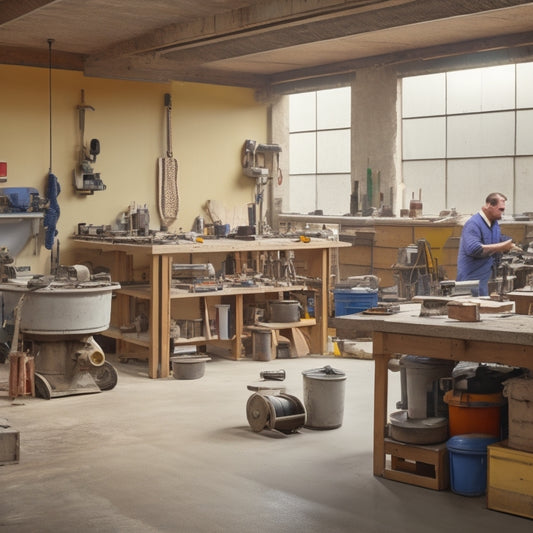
(381, 361)
(239, 313)
(153, 354)
(322, 318)
(164, 305)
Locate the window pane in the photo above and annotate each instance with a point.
(424, 138)
(302, 148)
(470, 180)
(302, 112)
(424, 95)
(464, 91)
(302, 194)
(333, 151)
(481, 135)
(428, 176)
(333, 108)
(524, 132)
(333, 194)
(482, 89)
(524, 85)
(498, 88)
(524, 185)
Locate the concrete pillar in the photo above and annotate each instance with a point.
(375, 140)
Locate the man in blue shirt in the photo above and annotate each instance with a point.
(482, 242)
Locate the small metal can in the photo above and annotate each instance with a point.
(199, 225)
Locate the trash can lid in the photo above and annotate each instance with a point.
(189, 359)
(471, 399)
(472, 442)
(416, 360)
(326, 372)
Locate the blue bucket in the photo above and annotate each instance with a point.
(354, 300)
(468, 463)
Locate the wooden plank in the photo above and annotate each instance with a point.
(411, 478)
(301, 348)
(393, 236)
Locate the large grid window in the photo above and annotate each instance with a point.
(466, 134)
(319, 136)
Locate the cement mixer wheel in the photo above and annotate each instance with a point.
(42, 387)
(105, 376)
(4, 352)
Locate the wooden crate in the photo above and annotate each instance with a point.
(423, 465)
(9, 446)
(510, 480)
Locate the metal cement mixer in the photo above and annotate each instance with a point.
(58, 318)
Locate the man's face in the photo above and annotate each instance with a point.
(495, 212)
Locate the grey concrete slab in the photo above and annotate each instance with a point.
(179, 455)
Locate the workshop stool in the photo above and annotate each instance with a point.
(423, 465)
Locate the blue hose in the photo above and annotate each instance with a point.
(52, 212)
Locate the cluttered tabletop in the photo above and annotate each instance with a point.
(495, 324)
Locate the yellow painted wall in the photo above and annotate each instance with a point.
(209, 126)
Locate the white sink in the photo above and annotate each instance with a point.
(17, 228)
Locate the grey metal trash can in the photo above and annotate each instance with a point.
(324, 397)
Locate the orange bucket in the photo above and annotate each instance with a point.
(474, 413)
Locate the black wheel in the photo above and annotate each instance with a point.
(106, 376)
(4, 352)
(42, 387)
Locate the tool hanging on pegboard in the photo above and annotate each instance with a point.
(86, 180)
(167, 179)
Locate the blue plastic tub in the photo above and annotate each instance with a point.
(356, 300)
(20, 198)
(468, 463)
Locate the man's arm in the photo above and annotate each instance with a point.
(498, 247)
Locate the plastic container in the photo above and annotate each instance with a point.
(20, 198)
(422, 375)
(261, 344)
(324, 390)
(355, 300)
(188, 366)
(519, 392)
(474, 413)
(222, 321)
(468, 463)
(284, 311)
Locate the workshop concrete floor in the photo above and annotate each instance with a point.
(179, 455)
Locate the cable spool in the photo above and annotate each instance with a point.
(282, 412)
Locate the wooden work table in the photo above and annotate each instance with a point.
(506, 339)
(312, 259)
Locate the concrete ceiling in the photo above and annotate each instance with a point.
(255, 43)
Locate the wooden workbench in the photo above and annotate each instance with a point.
(506, 339)
(312, 259)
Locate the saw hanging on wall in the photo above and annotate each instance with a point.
(168, 198)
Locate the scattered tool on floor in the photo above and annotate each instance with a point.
(282, 412)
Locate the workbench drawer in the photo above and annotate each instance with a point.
(510, 480)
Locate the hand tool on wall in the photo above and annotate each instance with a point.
(168, 198)
(86, 180)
